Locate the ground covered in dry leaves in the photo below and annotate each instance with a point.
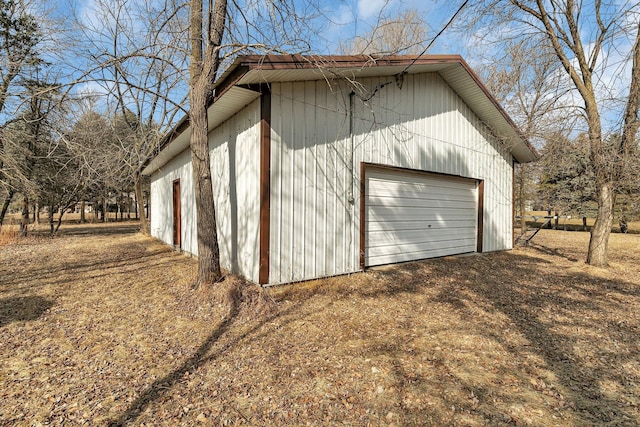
(99, 326)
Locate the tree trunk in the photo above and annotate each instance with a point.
(144, 224)
(521, 187)
(24, 225)
(208, 251)
(601, 230)
(83, 218)
(5, 205)
(136, 208)
(51, 219)
(59, 222)
(202, 71)
(105, 212)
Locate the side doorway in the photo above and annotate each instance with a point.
(177, 229)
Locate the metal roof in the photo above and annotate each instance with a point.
(230, 97)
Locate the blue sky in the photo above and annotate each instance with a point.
(341, 20)
(348, 18)
(353, 17)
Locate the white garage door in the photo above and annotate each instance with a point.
(412, 215)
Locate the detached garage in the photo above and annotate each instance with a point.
(329, 165)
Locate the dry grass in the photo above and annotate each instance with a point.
(103, 328)
(8, 235)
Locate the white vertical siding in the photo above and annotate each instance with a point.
(421, 125)
(310, 214)
(235, 170)
(162, 202)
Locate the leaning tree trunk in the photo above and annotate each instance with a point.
(59, 222)
(5, 205)
(601, 230)
(144, 224)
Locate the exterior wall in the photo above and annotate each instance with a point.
(310, 211)
(315, 179)
(162, 203)
(235, 169)
(235, 172)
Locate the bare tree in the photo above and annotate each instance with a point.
(588, 41)
(204, 63)
(403, 34)
(218, 32)
(19, 36)
(525, 79)
(137, 55)
(89, 142)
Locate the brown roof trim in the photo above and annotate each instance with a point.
(230, 80)
(301, 62)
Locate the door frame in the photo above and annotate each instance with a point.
(365, 166)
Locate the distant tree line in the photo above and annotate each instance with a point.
(563, 181)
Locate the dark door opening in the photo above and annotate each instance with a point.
(177, 241)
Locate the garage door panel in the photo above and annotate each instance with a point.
(425, 207)
(413, 216)
(398, 214)
(399, 237)
(422, 247)
(389, 258)
(428, 201)
(419, 226)
(418, 191)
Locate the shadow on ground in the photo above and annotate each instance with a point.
(23, 308)
(99, 230)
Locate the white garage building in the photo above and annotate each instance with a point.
(328, 165)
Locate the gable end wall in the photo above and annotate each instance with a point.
(315, 181)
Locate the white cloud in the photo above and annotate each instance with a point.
(371, 8)
(343, 16)
(93, 90)
(89, 14)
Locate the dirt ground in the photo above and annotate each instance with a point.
(99, 326)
